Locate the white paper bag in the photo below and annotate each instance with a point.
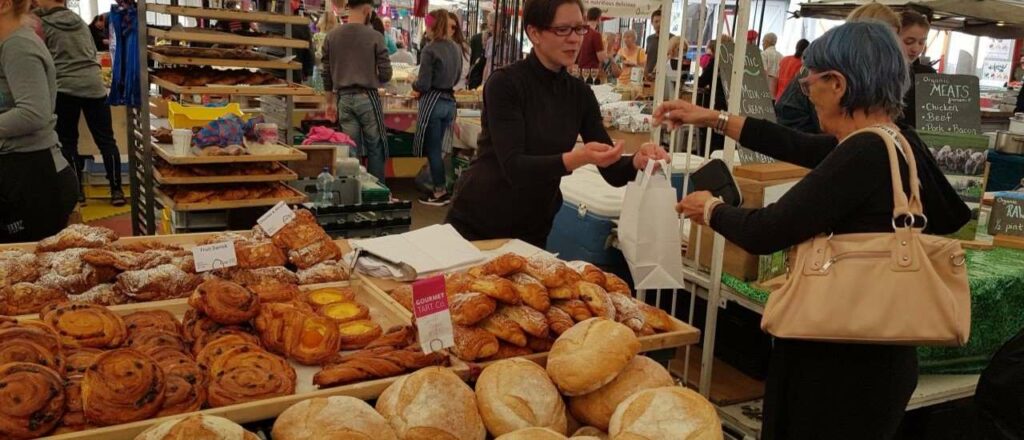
(649, 230)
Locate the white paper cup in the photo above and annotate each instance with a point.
(182, 138)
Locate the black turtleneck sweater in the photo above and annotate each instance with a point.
(531, 116)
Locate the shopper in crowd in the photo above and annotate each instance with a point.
(100, 36)
(459, 38)
(37, 187)
(479, 47)
(533, 113)
(390, 39)
(704, 86)
(612, 66)
(1020, 102)
(403, 56)
(790, 66)
(708, 55)
(771, 58)
(914, 27)
(632, 56)
(440, 69)
(678, 47)
(592, 53)
(1018, 72)
(476, 42)
(857, 80)
(651, 66)
(355, 84)
(80, 90)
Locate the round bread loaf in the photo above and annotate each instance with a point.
(665, 413)
(532, 434)
(590, 354)
(640, 374)
(590, 433)
(432, 404)
(336, 417)
(197, 427)
(514, 394)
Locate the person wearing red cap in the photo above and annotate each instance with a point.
(752, 36)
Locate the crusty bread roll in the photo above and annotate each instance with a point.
(665, 413)
(197, 427)
(590, 354)
(595, 409)
(336, 417)
(515, 394)
(532, 434)
(590, 433)
(432, 404)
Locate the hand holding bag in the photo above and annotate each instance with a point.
(649, 230)
(898, 288)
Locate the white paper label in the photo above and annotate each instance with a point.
(433, 319)
(215, 256)
(275, 219)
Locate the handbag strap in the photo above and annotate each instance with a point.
(902, 205)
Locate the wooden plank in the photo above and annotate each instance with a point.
(770, 171)
(216, 37)
(224, 62)
(168, 202)
(282, 90)
(1008, 241)
(284, 174)
(166, 152)
(728, 385)
(227, 14)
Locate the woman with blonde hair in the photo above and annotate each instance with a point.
(631, 54)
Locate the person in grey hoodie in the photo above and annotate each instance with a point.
(80, 90)
(37, 187)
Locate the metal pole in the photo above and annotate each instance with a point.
(659, 79)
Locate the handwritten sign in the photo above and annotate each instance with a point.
(756, 100)
(433, 319)
(275, 219)
(214, 256)
(1007, 216)
(625, 8)
(947, 103)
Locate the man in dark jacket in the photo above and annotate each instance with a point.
(80, 90)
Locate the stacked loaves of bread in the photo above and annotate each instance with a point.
(512, 306)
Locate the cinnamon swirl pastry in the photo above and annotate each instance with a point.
(152, 320)
(225, 302)
(25, 298)
(147, 340)
(33, 400)
(122, 386)
(74, 415)
(79, 360)
(244, 374)
(31, 344)
(218, 347)
(186, 385)
(206, 338)
(86, 325)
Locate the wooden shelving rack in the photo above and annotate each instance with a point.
(148, 201)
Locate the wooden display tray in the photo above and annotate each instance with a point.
(283, 89)
(224, 62)
(227, 14)
(169, 203)
(283, 175)
(166, 152)
(216, 37)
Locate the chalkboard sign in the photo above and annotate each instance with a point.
(1007, 216)
(948, 103)
(756, 101)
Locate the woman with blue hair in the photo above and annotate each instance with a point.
(857, 80)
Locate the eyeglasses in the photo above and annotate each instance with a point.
(805, 82)
(564, 31)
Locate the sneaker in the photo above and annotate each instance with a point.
(117, 197)
(433, 200)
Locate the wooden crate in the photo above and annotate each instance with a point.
(224, 62)
(217, 37)
(166, 152)
(168, 202)
(240, 90)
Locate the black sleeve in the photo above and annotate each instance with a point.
(786, 144)
(592, 130)
(857, 171)
(946, 211)
(794, 109)
(506, 127)
(1020, 101)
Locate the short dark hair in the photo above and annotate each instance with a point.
(541, 13)
(910, 18)
(801, 46)
(656, 13)
(359, 2)
(594, 14)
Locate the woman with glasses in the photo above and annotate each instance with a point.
(857, 80)
(533, 113)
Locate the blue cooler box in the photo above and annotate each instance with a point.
(681, 170)
(582, 229)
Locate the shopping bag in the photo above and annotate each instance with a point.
(649, 230)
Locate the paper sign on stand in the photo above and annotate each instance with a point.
(433, 319)
(273, 220)
(215, 256)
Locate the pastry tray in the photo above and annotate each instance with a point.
(275, 89)
(281, 174)
(166, 152)
(168, 202)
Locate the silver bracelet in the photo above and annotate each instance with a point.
(722, 123)
(709, 208)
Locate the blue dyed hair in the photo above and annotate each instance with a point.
(868, 54)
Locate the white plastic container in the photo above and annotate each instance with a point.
(583, 227)
(1017, 123)
(182, 139)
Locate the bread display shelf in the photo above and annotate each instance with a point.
(283, 89)
(168, 202)
(216, 37)
(227, 14)
(224, 62)
(166, 152)
(282, 175)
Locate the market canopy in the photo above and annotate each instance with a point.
(987, 18)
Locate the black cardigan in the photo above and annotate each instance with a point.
(848, 190)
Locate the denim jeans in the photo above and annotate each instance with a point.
(356, 118)
(433, 140)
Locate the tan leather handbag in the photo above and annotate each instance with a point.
(900, 288)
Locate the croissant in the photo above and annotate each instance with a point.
(403, 296)
(614, 284)
(32, 344)
(530, 320)
(122, 386)
(25, 298)
(469, 308)
(495, 287)
(225, 302)
(245, 374)
(505, 265)
(79, 359)
(656, 317)
(647, 331)
(458, 283)
(592, 274)
(151, 320)
(597, 299)
(77, 236)
(33, 399)
(627, 311)
(564, 292)
(540, 345)
(531, 291)
(315, 253)
(377, 363)
(256, 254)
(358, 334)
(548, 271)
(558, 320)
(506, 351)
(86, 325)
(575, 308)
(472, 343)
(505, 329)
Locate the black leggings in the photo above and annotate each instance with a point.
(35, 200)
(98, 119)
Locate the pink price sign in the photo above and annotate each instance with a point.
(428, 296)
(433, 320)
